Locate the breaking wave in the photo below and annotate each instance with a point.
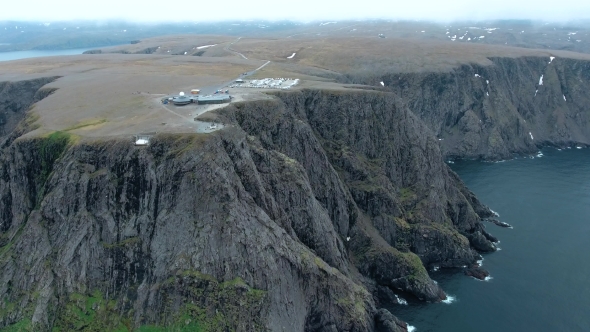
(401, 300)
(450, 299)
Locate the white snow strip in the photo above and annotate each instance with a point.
(292, 56)
(477, 75)
(461, 37)
(564, 98)
(536, 92)
(468, 38)
(541, 80)
(487, 82)
(447, 33)
(326, 23)
(487, 94)
(551, 59)
(491, 29)
(531, 135)
(205, 46)
(382, 84)
(482, 37)
(571, 33)
(450, 299)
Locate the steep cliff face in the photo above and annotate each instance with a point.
(288, 219)
(17, 97)
(513, 106)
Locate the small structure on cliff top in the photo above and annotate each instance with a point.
(142, 139)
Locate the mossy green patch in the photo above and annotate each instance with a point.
(86, 123)
(51, 149)
(89, 313)
(130, 242)
(406, 194)
(210, 305)
(23, 325)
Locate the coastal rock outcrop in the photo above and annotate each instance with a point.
(509, 106)
(287, 219)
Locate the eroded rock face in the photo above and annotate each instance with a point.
(285, 220)
(17, 97)
(496, 111)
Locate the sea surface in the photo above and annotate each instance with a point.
(7, 56)
(541, 277)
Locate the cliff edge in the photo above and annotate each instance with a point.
(289, 219)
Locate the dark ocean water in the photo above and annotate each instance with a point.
(541, 277)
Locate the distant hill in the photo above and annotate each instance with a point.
(571, 36)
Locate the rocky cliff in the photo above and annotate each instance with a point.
(17, 97)
(289, 219)
(511, 106)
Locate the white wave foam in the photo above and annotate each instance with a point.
(488, 278)
(578, 147)
(401, 300)
(411, 328)
(435, 268)
(495, 213)
(450, 299)
(498, 248)
(480, 262)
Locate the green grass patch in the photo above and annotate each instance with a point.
(86, 123)
(23, 325)
(130, 242)
(51, 149)
(89, 313)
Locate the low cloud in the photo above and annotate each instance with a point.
(301, 10)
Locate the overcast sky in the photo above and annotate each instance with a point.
(303, 10)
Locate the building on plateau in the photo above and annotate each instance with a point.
(182, 99)
(214, 99)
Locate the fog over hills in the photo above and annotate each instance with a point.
(571, 36)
